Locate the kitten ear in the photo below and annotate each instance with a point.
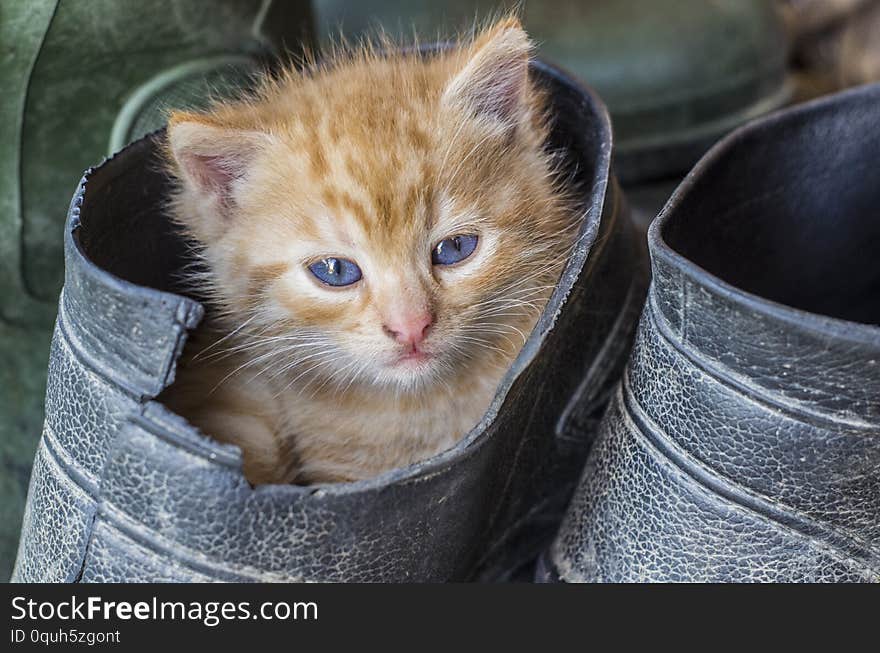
(211, 158)
(494, 81)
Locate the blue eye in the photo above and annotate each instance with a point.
(454, 249)
(336, 271)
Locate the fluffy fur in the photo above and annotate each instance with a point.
(375, 158)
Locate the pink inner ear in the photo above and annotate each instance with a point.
(494, 82)
(500, 97)
(212, 174)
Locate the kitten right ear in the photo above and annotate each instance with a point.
(494, 82)
(212, 158)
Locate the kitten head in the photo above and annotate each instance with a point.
(384, 220)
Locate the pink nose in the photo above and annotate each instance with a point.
(409, 329)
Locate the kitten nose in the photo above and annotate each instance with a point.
(409, 329)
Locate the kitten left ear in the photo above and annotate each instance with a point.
(494, 81)
(212, 158)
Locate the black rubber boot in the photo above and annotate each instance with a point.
(744, 441)
(124, 490)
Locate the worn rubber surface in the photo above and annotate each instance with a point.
(744, 441)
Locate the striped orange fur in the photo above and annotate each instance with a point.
(374, 158)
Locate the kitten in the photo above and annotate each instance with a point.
(380, 236)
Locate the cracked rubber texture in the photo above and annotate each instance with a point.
(743, 443)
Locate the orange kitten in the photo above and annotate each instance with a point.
(380, 235)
